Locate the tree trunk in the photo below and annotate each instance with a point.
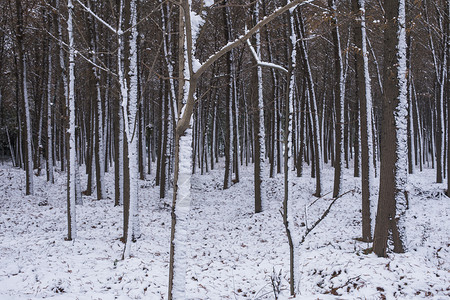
(22, 70)
(50, 176)
(258, 122)
(129, 107)
(313, 108)
(339, 96)
(71, 167)
(447, 91)
(393, 172)
(364, 94)
(228, 139)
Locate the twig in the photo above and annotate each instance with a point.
(308, 230)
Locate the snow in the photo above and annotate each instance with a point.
(401, 113)
(208, 3)
(230, 252)
(197, 22)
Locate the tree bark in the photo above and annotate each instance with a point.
(393, 169)
(339, 90)
(364, 93)
(22, 71)
(71, 166)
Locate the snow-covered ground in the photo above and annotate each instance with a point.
(232, 253)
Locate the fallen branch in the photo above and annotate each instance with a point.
(318, 199)
(308, 230)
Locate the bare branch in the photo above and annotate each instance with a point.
(97, 17)
(262, 63)
(183, 123)
(249, 34)
(325, 213)
(81, 55)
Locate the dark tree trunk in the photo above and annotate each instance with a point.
(338, 101)
(392, 176)
(364, 98)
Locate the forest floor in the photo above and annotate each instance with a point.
(232, 253)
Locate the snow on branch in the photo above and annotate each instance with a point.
(262, 63)
(325, 213)
(183, 123)
(81, 55)
(97, 17)
(248, 34)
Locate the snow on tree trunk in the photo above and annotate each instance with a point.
(172, 105)
(368, 117)
(50, 176)
(62, 63)
(394, 162)
(182, 208)
(287, 216)
(71, 211)
(447, 91)
(260, 139)
(39, 149)
(22, 68)
(100, 146)
(130, 112)
(29, 160)
(124, 99)
(365, 98)
(99, 141)
(339, 102)
(313, 107)
(401, 115)
(440, 123)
